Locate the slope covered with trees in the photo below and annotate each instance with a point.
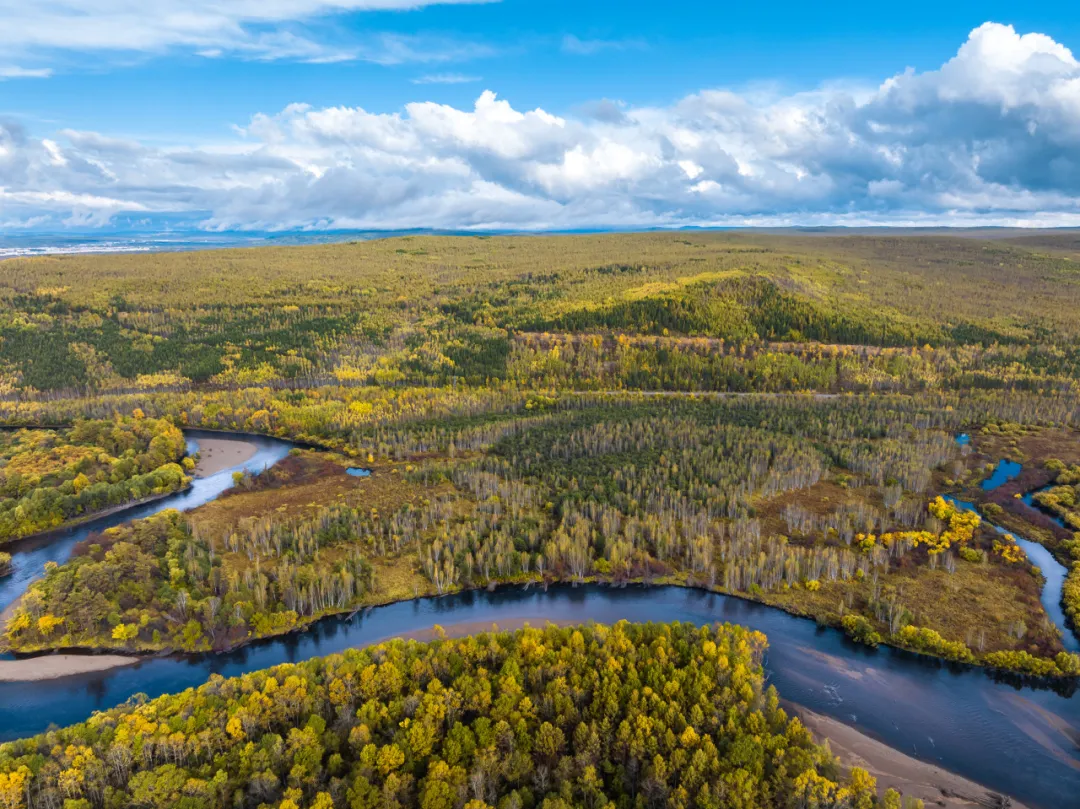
(627, 716)
(715, 311)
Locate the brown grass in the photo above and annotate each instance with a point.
(958, 605)
(305, 482)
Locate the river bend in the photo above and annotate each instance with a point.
(1014, 738)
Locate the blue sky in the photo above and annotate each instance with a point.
(637, 52)
(629, 83)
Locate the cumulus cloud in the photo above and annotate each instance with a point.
(991, 137)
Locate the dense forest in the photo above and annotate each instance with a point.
(592, 716)
(49, 477)
(638, 311)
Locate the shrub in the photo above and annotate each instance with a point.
(860, 629)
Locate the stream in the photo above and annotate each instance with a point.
(1053, 571)
(29, 556)
(1015, 738)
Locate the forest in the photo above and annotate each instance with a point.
(781, 419)
(590, 716)
(821, 506)
(50, 477)
(718, 311)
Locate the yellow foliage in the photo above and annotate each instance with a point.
(235, 728)
(47, 623)
(13, 788)
(18, 623)
(961, 528)
(1008, 550)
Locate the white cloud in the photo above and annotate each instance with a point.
(446, 78)
(15, 72)
(256, 29)
(588, 47)
(992, 137)
(398, 49)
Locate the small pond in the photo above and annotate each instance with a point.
(1005, 471)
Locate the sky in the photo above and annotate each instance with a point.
(234, 115)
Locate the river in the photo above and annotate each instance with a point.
(1053, 571)
(30, 555)
(1016, 739)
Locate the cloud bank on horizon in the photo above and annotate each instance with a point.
(992, 137)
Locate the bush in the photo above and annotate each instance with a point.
(971, 555)
(860, 629)
(1023, 662)
(923, 639)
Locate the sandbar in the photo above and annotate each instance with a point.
(52, 667)
(217, 454)
(910, 776)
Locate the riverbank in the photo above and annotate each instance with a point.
(53, 667)
(69, 525)
(219, 454)
(5, 616)
(896, 770)
(672, 580)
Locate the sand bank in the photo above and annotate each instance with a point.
(891, 768)
(216, 454)
(51, 667)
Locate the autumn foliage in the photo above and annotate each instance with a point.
(591, 716)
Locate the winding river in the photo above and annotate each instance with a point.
(30, 555)
(1014, 738)
(1053, 571)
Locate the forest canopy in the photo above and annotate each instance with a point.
(784, 419)
(822, 506)
(715, 311)
(592, 716)
(49, 477)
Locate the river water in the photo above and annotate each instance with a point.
(30, 555)
(1017, 739)
(1020, 741)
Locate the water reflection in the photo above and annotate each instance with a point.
(899, 697)
(1005, 471)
